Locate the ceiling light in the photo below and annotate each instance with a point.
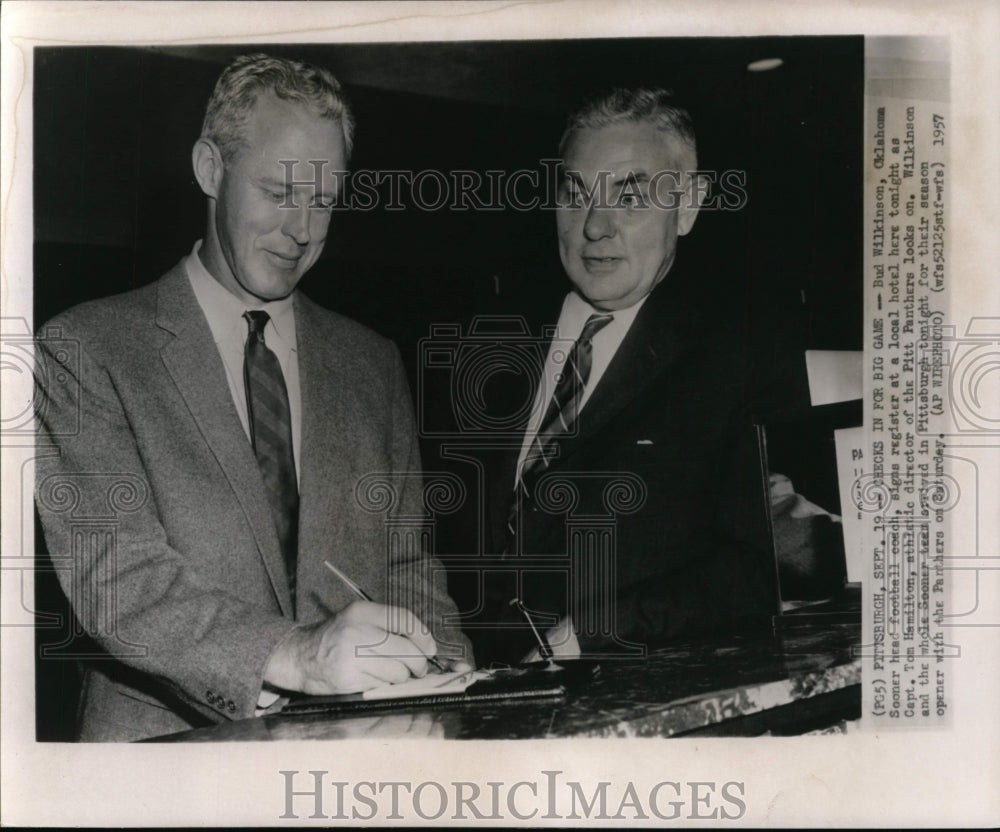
(764, 64)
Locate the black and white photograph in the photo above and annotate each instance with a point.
(405, 421)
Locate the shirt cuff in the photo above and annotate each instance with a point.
(268, 700)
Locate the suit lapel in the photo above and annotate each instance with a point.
(325, 425)
(652, 344)
(193, 362)
(500, 490)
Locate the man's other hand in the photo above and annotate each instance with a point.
(563, 641)
(364, 646)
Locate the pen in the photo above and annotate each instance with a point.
(364, 596)
(544, 650)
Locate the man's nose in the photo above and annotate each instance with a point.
(600, 223)
(296, 223)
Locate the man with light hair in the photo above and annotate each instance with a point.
(641, 421)
(244, 423)
(656, 107)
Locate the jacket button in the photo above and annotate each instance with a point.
(232, 706)
(210, 697)
(221, 703)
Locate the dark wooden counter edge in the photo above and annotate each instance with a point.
(824, 713)
(798, 704)
(684, 717)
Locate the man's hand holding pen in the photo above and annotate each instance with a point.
(364, 646)
(558, 642)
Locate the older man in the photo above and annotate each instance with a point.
(245, 425)
(632, 511)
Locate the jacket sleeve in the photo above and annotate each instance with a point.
(145, 603)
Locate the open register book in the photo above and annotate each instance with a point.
(512, 684)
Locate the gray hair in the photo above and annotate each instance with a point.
(656, 107)
(236, 91)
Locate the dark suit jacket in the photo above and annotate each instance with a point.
(664, 469)
(154, 492)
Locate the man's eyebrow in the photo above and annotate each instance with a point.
(632, 178)
(272, 182)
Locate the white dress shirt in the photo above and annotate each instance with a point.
(224, 312)
(572, 318)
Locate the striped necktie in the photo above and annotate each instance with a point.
(271, 435)
(560, 414)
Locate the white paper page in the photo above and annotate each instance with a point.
(431, 685)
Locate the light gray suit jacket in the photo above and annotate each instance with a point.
(154, 492)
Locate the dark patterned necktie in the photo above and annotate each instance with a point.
(560, 414)
(271, 435)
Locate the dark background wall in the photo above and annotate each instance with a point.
(116, 203)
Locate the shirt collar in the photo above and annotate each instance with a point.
(576, 311)
(224, 310)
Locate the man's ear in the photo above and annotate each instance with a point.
(206, 159)
(695, 193)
